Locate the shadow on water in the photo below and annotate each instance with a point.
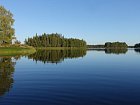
(56, 56)
(7, 68)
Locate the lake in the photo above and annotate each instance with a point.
(78, 77)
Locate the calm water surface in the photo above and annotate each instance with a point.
(95, 77)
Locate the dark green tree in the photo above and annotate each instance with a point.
(54, 40)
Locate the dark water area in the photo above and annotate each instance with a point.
(71, 77)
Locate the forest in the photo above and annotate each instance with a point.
(54, 40)
(116, 45)
(137, 45)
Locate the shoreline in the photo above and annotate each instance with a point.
(60, 48)
(16, 50)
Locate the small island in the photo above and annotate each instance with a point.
(55, 41)
(110, 45)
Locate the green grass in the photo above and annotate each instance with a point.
(16, 50)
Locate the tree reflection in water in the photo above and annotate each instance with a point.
(112, 51)
(56, 56)
(137, 50)
(7, 67)
(116, 51)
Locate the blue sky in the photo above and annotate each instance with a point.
(96, 21)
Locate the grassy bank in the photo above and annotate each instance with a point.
(16, 50)
(24, 49)
(61, 48)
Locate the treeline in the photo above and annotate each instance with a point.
(56, 56)
(54, 40)
(95, 46)
(137, 45)
(116, 45)
(108, 45)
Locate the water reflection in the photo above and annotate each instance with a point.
(116, 51)
(56, 56)
(112, 51)
(137, 50)
(7, 63)
(7, 68)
